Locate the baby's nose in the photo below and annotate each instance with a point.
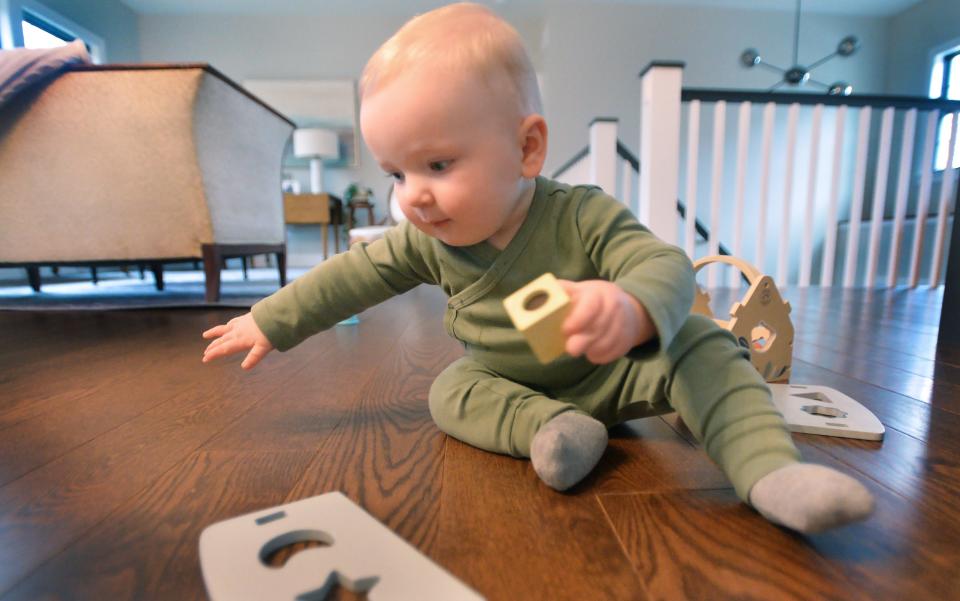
(419, 196)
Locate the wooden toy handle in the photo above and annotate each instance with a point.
(753, 274)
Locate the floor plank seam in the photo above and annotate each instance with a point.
(623, 547)
(659, 491)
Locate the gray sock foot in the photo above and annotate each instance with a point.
(810, 498)
(566, 448)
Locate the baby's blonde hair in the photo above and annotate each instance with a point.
(463, 37)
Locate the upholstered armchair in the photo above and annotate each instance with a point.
(140, 164)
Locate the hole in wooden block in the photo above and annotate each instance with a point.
(535, 300)
(278, 550)
(823, 411)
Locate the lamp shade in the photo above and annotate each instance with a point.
(316, 143)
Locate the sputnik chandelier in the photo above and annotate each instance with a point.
(798, 74)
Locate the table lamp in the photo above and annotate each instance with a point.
(316, 144)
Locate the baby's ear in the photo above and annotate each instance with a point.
(533, 140)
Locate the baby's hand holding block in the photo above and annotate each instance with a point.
(538, 310)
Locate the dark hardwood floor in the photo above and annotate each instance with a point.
(117, 447)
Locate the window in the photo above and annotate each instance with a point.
(38, 33)
(945, 83)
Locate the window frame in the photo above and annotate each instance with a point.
(944, 58)
(39, 15)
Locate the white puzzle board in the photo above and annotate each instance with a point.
(360, 554)
(823, 410)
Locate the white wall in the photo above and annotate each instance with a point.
(919, 33)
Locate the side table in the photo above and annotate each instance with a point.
(323, 209)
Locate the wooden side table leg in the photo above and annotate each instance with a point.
(33, 276)
(370, 214)
(323, 237)
(336, 237)
(157, 269)
(212, 262)
(282, 267)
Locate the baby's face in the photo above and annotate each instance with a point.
(454, 150)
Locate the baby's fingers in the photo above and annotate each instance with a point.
(585, 309)
(215, 331)
(254, 356)
(222, 348)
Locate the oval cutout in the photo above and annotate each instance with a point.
(276, 552)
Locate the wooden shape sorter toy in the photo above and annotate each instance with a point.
(537, 310)
(760, 321)
(358, 553)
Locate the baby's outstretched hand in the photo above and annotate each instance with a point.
(605, 322)
(236, 336)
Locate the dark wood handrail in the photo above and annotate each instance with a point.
(856, 100)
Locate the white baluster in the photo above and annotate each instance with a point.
(690, 197)
(856, 205)
(743, 140)
(830, 241)
(806, 249)
(879, 195)
(764, 200)
(923, 196)
(903, 183)
(784, 242)
(716, 185)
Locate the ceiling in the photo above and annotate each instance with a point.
(319, 7)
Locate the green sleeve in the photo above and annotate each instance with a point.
(657, 274)
(345, 285)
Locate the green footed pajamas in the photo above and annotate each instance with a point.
(499, 395)
(703, 375)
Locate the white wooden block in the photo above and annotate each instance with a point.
(823, 410)
(362, 555)
(537, 310)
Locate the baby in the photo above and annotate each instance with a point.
(450, 108)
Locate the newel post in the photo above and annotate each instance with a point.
(603, 154)
(660, 148)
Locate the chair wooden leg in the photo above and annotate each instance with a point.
(323, 239)
(243, 266)
(55, 270)
(157, 269)
(33, 276)
(93, 275)
(336, 238)
(212, 262)
(142, 269)
(282, 267)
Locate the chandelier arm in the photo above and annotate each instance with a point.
(771, 67)
(817, 63)
(796, 36)
(775, 86)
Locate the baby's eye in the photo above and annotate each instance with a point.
(439, 165)
(396, 176)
